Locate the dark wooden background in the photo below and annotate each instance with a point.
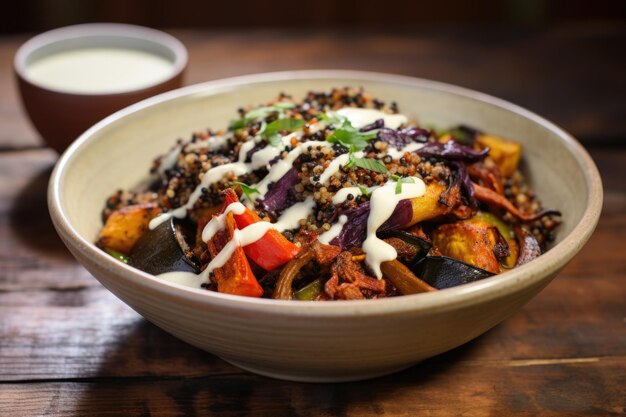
(70, 348)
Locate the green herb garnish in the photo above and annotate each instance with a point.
(270, 131)
(260, 113)
(399, 180)
(364, 190)
(247, 190)
(117, 255)
(366, 163)
(345, 134)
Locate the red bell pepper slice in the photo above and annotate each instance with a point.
(269, 252)
(235, 277)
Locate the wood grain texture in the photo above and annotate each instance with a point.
(70, 348)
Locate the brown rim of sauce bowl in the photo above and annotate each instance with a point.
(60, 116)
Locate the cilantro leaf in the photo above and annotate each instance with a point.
(366, 163)
(260, 113)
(247, 190)
(270, 131)
(345, 134)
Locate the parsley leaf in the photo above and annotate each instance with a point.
(270, 131)
(366, 163)
(345, 134)
(247, 190)
(260, 113)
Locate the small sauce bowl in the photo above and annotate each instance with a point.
(70, 78)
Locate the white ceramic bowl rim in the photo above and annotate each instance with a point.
(83, 32)
(524, 276)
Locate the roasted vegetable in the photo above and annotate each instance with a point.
(125, 226)
(433, 204)
(473, 242)
(117, 255)
(235, 276)
(315, 251)
(491, 197)
(276, 199)
(269, 252)
(166, 248)
(507, 233)
(443, 272)
(348, 278)
(529, 247)
(403, 279)
(418, 246)
(310, 291)
(505, 153)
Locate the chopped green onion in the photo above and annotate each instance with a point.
(310, 291)
(117, 255)
(399, 180)
(364, 190)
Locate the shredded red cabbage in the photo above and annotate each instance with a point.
(377, 124)
(354, 235)
(277, 198)
(452, 150)
(400, 138)
(462, 178)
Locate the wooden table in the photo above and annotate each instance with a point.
(68, 347)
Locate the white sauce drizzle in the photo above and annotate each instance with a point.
(290, 219)
(362, 117)
(335, 165)
(211, 176)
(280, 168)
(376, 250)
(213, 143)
(217, 223)
(243, 237)
(399, 153)
(383, 202)
(342, 195)
(334, 230)
(169, 160)
(187, 279)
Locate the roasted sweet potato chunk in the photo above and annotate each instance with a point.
(125, 226)
(470, 241)
(429, 205)
(504, 152)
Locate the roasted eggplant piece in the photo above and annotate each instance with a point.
(164, 249)
(443, 272)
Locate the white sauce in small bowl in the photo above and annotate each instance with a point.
(99, 70)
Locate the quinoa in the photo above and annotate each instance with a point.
(179, 173)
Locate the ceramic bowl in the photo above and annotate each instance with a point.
(323, 341)
(61, 115)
